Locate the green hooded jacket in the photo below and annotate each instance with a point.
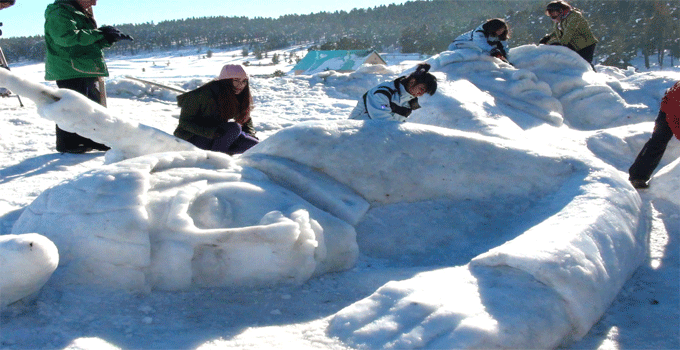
(73, 43)
(573, 31)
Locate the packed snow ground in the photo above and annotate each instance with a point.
(534, 156)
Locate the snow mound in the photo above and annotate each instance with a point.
(619, 146)
(667, 182)
(26, 263)
(127, 88)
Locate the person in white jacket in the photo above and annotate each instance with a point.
(490, 37)
(395, 100)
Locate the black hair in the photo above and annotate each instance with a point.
(557, 5)
(493, 25)
(421, 76)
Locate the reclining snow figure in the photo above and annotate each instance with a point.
(183, 216)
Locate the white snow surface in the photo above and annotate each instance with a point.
(26, 263)
(498, 216)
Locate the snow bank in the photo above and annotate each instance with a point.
(667, 181)
(170, 220)
(127, 88)
(26, 263)
(620, 146)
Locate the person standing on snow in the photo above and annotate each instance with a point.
(74, 58)
(216, 116)
(666, 125)
(571, 29)
(395, 100)
(491, 37)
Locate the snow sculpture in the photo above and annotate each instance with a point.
(520, 89)
(574, 84)
(585, 249)
(170, 220)
(196, 217)
(26, 263)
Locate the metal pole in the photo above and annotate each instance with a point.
(4, 64)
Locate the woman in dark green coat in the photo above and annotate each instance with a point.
(216, 116)
(571, 30)
(74, 58)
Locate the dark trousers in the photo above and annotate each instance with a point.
(652, 152)
(233, 141)
(588, 53)
(69, 141)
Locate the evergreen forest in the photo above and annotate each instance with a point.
(624, 28)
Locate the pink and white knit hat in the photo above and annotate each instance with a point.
(232, 71)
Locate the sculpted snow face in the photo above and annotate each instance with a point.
(169, 220)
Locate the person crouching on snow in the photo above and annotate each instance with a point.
(395, 100)
(667, 124)
(571, 29)
(490, 37)
(216, 116)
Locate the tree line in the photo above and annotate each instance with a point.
(624, 28)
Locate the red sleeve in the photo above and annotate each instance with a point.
(671, 106)
(674, 122)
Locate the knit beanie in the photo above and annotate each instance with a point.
(232, 71)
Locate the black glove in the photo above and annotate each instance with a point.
(544, 39)
(113, 35)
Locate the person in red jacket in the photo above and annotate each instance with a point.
(666, 125)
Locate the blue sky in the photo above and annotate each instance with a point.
(26, 17)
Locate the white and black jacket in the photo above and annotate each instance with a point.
(387, 101)
(476, 39)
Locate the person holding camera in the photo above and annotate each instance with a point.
(74, 58)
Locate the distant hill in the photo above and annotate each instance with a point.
(624, 28)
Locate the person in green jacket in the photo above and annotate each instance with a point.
(571, 30)
(74, 58)
(216, 116)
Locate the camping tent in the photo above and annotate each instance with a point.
(337, 60)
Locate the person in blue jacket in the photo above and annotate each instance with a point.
(395, 100)
(490, 37)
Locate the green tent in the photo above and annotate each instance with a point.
(337, 60)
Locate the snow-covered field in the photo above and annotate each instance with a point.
(499, 216)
